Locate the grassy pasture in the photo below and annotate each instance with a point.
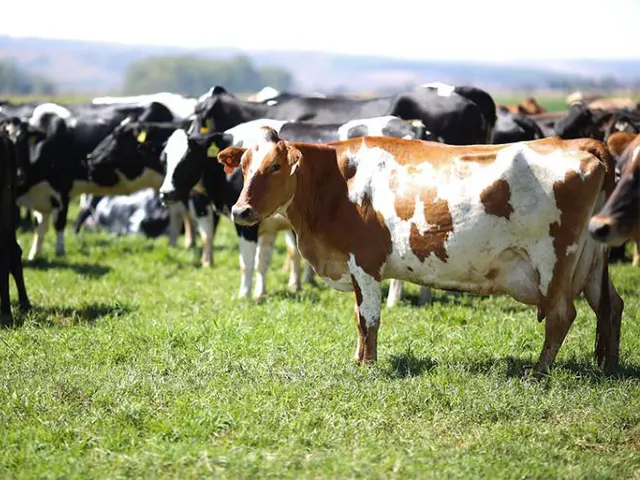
(137, 363)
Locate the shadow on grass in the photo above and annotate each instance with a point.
(56, 315)
(407, 365)
(86, 269)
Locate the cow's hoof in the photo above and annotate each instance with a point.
(25, 306)
(6, 320)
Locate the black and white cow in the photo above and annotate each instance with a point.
(135, 148)
(515, 127)
(10, 251)
(58, 144)
(456, 119)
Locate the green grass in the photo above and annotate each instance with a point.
(137, 363)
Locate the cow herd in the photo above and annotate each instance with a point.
(438, 186)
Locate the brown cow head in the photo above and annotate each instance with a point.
(269, 181)
(619, 219)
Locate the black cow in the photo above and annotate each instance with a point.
(58, 145)
(581, 122)
(10, 251)
(455, 118)
(514, 127)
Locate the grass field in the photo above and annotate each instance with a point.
(137, 363)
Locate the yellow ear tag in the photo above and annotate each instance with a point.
(204, 130)
(142, 136)
(212, 151)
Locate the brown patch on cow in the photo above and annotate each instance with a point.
(495, 199)
(478, 158)
(437, 214)
(357, 290)
(618, 141)
(575, 198)
(492, 274)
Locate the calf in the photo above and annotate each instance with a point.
(10, 251)
(619, 219)
(482, 219)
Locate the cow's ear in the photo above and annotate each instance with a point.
(230, 158)
(293, 157)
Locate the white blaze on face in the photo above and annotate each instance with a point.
(260, 147)
(174, 151)
(478, 239)
(443, 89)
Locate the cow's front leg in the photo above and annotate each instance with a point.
(6, 320)
(248, 240)
(60, 223)
(367, 312)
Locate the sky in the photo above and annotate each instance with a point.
(489, 30)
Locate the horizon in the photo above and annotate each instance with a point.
(528, 47)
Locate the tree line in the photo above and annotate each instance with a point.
(190, 75)
(16, 81)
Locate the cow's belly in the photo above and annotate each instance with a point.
(149, 178)
(41, 198)
(493, 256)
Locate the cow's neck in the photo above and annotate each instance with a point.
(319, 212)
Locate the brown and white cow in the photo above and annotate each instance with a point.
(484, 219)
(619, 219)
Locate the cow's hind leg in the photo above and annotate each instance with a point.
(248, 242)
(38, 236)
(60, 223)
(6, 320)
(263, 257)
(604, 300)
(636, 253)
(18, 276)
(395, 292)
(367, 312)
(560, 314)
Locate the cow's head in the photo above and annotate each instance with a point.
(212, 111)
(129, 143)
(186, 157)
(582, 122)
(619, 219)
(269, 176)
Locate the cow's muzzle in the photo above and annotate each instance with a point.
(168, 197)
(602, 230)
(244, 215)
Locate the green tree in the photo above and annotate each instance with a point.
(14, 80)
(191, 75)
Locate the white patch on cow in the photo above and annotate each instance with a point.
(256, 140)
(179, 106)
(247, 260)
(38, 236)
(263, 257)
(480, 242)
(395, 292)
(370, 290)
(271, 103)
(266, 93)
(443, 89)
(149, 178)
(572, 249)
(38, 198)
(374, 125)
(251, 133)
(343, 284)
(45, 108)
(174, 151)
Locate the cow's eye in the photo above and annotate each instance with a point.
(274, 168)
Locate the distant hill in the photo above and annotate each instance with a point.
(97, 67)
